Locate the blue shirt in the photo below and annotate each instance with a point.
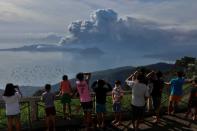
(176, 86)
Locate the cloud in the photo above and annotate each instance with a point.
(106, 30)
(110, 33)
(36, 16)
(105, 26)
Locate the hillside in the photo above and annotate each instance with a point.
(120, 73)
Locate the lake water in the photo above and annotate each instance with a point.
(37, 68)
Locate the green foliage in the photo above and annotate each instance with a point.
(183, 62)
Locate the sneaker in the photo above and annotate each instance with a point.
(155, 121)
(118, 124)
(113, 122)
(154, 117)
(194, 117)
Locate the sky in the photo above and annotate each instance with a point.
(22, 18)
(170, 26)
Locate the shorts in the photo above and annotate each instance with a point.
(87, 106)
(156, 103)
(50, 111)
(65, 98)
(100, 108)
(175, 98)
(137, 112)
(193, 103)
(117, 107)
(17, 116)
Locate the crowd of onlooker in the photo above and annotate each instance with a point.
(146, 92)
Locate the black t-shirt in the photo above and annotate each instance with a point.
(101, 92)
(157, 87)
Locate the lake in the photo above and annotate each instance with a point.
(38, 68)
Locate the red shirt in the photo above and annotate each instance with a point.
(65, 87)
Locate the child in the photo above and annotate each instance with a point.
(101, 88)
(117, 95)
(193, 100)
(11, 97)
(176, 91)
(85, 96)
(65, 93)
(48, 98)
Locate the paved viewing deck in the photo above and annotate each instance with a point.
(176, 122)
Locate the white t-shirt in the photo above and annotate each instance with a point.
(139, 92)
(12, 104)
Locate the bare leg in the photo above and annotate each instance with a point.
(85, 118)
(18, 124)
(52, 119)
(133, 123)
(69, 110)
(175, 106)
(64, 110)
(89, 119)
(48, 122)
(170, 107)
(10, 123)
(120, 117)
(102, 119)
(137, 124)
(99, 119)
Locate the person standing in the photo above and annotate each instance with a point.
(140, 93)
(85, 96)
(101, 88)
(176, 91)
(117, 95)
(65, 93)
(48, 98)
(158, 85)
(11, 96)
(192, 103)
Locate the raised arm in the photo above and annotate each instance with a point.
(109, 87)
(167, 83)
(19, 92)
(150, 74)
(188, 81)
(94, 84)
(87, 77)
(131, 77)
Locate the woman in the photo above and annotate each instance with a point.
(11, 97)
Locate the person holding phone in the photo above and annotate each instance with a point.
(11, 96)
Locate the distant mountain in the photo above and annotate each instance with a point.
(120, 73)
(160, 66)
(29, 90)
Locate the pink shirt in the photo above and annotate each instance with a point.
(83, 90)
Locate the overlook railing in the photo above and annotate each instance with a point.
(32, 108)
